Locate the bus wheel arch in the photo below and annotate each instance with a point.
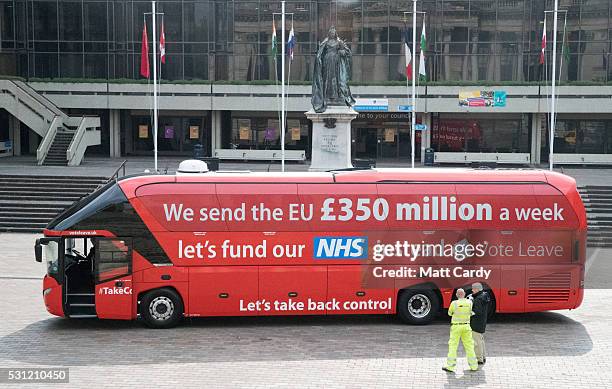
(161, 307)
(419, 304)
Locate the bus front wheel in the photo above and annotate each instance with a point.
(161, 308)
(417, 306)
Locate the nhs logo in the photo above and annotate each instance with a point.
(341, 247)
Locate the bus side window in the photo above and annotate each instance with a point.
(113, 258)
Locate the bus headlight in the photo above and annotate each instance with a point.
(46, 291)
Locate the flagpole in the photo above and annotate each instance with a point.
(154, 16)
(551, 140)
(283, 87)
(412, 127)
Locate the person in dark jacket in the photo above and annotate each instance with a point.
(478, 322)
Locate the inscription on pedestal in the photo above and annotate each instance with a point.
(329, 143)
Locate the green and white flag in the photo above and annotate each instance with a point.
(274, 44)
(565, 51)
(422, 71)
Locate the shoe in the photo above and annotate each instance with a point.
(448, 369)
(481, 363)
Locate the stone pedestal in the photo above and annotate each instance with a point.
(331, 138)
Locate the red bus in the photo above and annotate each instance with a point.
(378, 241)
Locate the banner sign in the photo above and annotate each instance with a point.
(483, 98)
(371, 105)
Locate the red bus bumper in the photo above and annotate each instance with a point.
(52, 295)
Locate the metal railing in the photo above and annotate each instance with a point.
(115, 175)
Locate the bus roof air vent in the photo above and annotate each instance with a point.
(192, 166)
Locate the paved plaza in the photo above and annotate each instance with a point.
(566, 349)
(103, 166)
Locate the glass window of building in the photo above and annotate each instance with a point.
(263, 133)
(176, 135)
(577, 136)
(474, 133)
(467, 40)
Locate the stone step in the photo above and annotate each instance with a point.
(53, 189)
(28, 203)
(599, 234)
(590, 198)
(43, 192)
(51, 184)
(21, 214)
(56, 203)
(25, 218)
(53, 178)
(46, 197)
(23, 224)
(22, 229)
(600, 245)
(598, 204)
(600, 228)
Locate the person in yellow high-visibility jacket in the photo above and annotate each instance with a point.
(460, 310)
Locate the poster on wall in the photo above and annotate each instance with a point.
(244, 133)
(295, 133)
(272, 131)
(143, 131)
(483, 98)
(194, 132)
(270, 134)
(169, 132)
(389, 134)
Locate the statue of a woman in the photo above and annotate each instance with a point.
(331, 74)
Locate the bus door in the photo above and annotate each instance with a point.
(113, 278)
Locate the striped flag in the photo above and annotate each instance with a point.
(543, 52)
(274, 43)
(291, 43)
(422, 70)
(408, 55)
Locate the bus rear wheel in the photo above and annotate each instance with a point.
(417, 306)
(161, 308)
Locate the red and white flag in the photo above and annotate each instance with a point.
(162, 45)
(408, 55)
(144, 54)
(543, 52)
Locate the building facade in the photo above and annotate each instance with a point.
(220, 79)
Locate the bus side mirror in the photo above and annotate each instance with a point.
(38, 251)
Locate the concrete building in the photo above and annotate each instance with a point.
(219, 81)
